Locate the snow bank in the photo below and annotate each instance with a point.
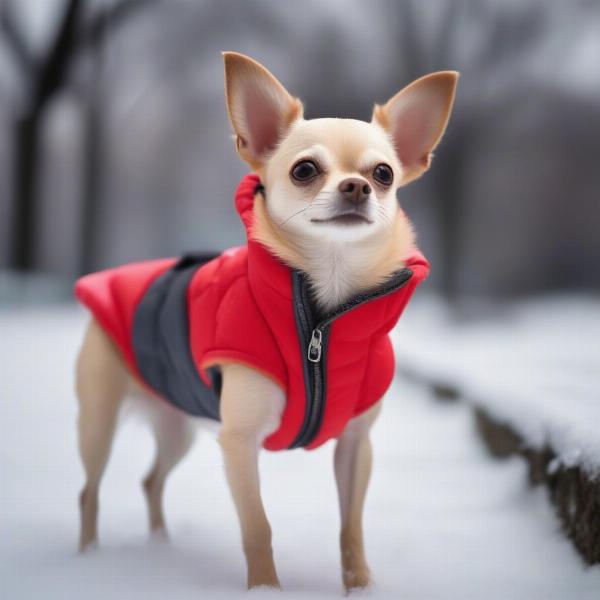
(533, 365)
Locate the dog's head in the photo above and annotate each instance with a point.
(332, 181)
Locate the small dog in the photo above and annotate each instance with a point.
(295, 350)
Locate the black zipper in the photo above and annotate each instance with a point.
(314, 341)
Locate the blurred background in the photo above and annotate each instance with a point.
(115, 145)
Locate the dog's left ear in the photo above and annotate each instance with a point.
(260, 109)
(416, 118)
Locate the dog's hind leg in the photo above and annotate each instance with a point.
(101, 380)
(174, 434)
(353, 459)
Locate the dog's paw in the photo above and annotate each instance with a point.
(159, 536)
(357, 581)
(88, 547)
(269, 588)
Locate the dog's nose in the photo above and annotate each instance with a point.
(354, 190)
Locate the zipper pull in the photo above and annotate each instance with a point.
(314, 347)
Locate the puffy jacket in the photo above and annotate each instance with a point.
(175, 320)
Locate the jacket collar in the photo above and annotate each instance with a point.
(263, 267)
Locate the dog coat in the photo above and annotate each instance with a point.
(176, 320)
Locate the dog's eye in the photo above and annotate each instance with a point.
(383, 174)
(305, 170)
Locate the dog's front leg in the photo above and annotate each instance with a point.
(251, 407)
(353, 458)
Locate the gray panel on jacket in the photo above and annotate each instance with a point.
(161, 342)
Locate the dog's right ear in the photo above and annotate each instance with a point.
(260, 109)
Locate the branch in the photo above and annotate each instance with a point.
(59, 57)
(106, 20)
(409, 38)
(15, 39)
(442, 46)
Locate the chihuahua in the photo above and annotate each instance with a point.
(323, 207)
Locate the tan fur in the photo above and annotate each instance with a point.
(388, 256)
(265, 232)
(337, 269)
(339, 263)
(353, 461)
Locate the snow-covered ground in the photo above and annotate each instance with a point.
(443, 521)
(533, 365)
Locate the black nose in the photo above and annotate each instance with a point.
(354, 190)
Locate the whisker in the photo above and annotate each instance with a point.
(381, 212)
(294, 215)
(314, 204)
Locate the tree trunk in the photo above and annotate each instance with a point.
(93, 158)
(25, 166)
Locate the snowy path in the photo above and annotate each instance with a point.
(443, 521)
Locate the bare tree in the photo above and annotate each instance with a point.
(42, 78)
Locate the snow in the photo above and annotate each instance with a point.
(534, 365)
(443, 520)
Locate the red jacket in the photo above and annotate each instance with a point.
(174, 320)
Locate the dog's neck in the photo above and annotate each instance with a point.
(337, 271)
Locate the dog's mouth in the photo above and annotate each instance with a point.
(348, 218)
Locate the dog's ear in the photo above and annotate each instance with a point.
(416, 118)
(260, 109)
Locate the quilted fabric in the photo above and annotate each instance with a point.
(240, 309)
